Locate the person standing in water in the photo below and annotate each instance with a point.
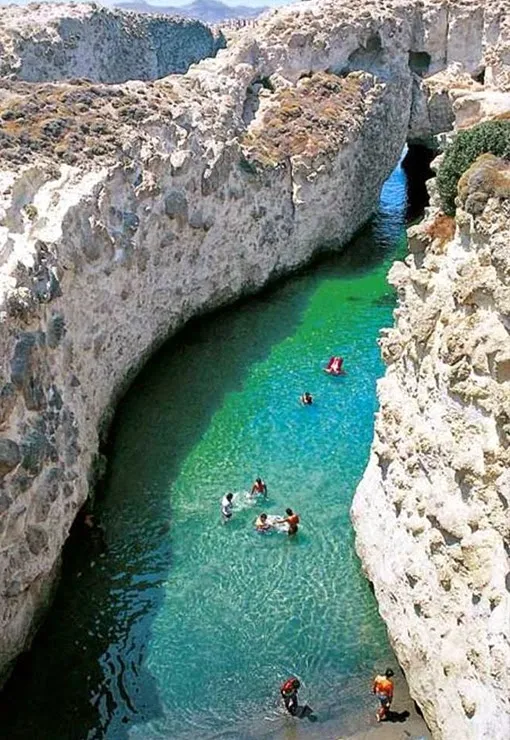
(307, 399)
(259, 487)
(292, 520)
(289, 690)
(261, 523)
(226, 507)
(383, 689)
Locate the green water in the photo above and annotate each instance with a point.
(185, 627)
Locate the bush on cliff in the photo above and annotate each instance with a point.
(490, 137)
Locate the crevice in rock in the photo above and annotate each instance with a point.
(419, 62)
(479, 76)
(463, 484)
(411, 580)
(369, 58)
(252, 100)
(291, 175)
(449, 538)
(418, 159)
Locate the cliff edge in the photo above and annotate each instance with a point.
(432, 511)
(45, 42)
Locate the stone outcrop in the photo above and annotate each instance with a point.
(44, 42)
(127, 209)
(432, 511)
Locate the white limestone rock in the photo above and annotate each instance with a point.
(431, 513)
(46, 42)
(127, 209)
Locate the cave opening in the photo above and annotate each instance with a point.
(416, 164)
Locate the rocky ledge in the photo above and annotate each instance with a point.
(127, 209)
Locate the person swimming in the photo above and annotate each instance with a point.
(292, 520)
(227, 506)
(259, 487)
(261, 523)
(307, 399)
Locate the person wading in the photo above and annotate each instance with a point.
(383, 689)
(259, 487)
(289, 690)
(292, 520)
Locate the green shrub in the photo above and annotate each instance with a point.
(490, 137)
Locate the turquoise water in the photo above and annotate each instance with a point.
(184, 627)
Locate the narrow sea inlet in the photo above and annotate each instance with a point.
(184, 627)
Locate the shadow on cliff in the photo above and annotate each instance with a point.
(86, 676)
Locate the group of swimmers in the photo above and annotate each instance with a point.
(262, 523)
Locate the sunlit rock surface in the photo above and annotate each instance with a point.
(432, 511)
(129, 208)
(47, 42)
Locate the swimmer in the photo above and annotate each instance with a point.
(259, 487)
(307, 399)
(261, 523)
(292, 520)
(226, 507)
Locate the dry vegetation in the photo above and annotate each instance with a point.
(488, 177)
(442, 229)
(72, 122)
(312, 118)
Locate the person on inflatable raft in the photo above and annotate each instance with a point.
(334, 366)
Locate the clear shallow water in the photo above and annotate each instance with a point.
(185, 627)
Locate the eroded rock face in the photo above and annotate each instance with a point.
(432, 511)
(48, 42)
(128, 209)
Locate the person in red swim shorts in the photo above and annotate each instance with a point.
(383, 689)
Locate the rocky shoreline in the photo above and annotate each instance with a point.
(431, 513)
(210, 185)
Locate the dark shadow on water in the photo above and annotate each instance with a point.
(85, 676)
(306, 712)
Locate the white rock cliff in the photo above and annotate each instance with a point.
(432, 511)
(127, 209)
(46, 42)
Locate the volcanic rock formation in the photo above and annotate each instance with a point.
(127, 209)
(43, 42)
(432, 511)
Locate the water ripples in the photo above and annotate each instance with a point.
(185, 627)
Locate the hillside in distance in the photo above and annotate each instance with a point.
(209, 11)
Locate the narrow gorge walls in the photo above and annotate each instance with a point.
(127, 209)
